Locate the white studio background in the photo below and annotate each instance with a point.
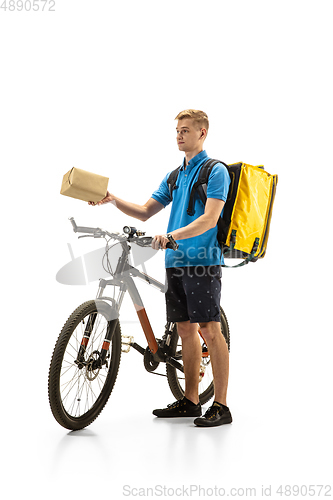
(97, 86)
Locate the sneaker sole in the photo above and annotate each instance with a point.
(177, 416)
(201, 422)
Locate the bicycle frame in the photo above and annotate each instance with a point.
(123, 278)
(126, 283)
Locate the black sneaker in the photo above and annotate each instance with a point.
(181, 408)
(217, 414)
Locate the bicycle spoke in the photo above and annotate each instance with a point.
(72, 384)
(66, 370)
(80, 387)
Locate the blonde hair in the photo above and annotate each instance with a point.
(199, 117)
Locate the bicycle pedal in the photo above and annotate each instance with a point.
(126, 341)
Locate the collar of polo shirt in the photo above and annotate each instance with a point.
(192, 163)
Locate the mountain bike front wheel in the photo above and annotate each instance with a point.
(176, 378)
(84, 365)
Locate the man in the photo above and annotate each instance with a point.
(193, 271)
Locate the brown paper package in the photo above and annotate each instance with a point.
(83, 185)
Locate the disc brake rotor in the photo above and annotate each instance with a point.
(93, 366)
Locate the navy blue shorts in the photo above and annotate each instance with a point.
(193, 293)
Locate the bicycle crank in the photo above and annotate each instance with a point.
(148, 360)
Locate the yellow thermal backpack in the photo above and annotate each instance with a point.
(244, 226)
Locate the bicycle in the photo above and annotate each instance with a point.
(86, 357)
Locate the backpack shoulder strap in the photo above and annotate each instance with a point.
(201, 184)
(172, 179)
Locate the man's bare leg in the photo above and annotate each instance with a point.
(191, 354)
(219, 356)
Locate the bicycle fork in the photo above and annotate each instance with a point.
(80, 360)
(112, 323)
(101, 355)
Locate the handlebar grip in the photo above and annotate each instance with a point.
(73, 224)
(147, 240)
(172, 244)
(81, 229)
(172, 247)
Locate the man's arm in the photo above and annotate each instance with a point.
(141, 212)
(208, 220)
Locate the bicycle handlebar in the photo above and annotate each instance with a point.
(98, 233)
(82, 229)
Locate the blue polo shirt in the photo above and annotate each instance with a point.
(202, 250)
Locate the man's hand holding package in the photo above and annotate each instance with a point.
(109, 197)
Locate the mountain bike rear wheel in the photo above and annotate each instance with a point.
(82, 371)
(176, 378)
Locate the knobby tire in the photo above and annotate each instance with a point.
(67, 380)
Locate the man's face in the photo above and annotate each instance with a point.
(189, 135)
